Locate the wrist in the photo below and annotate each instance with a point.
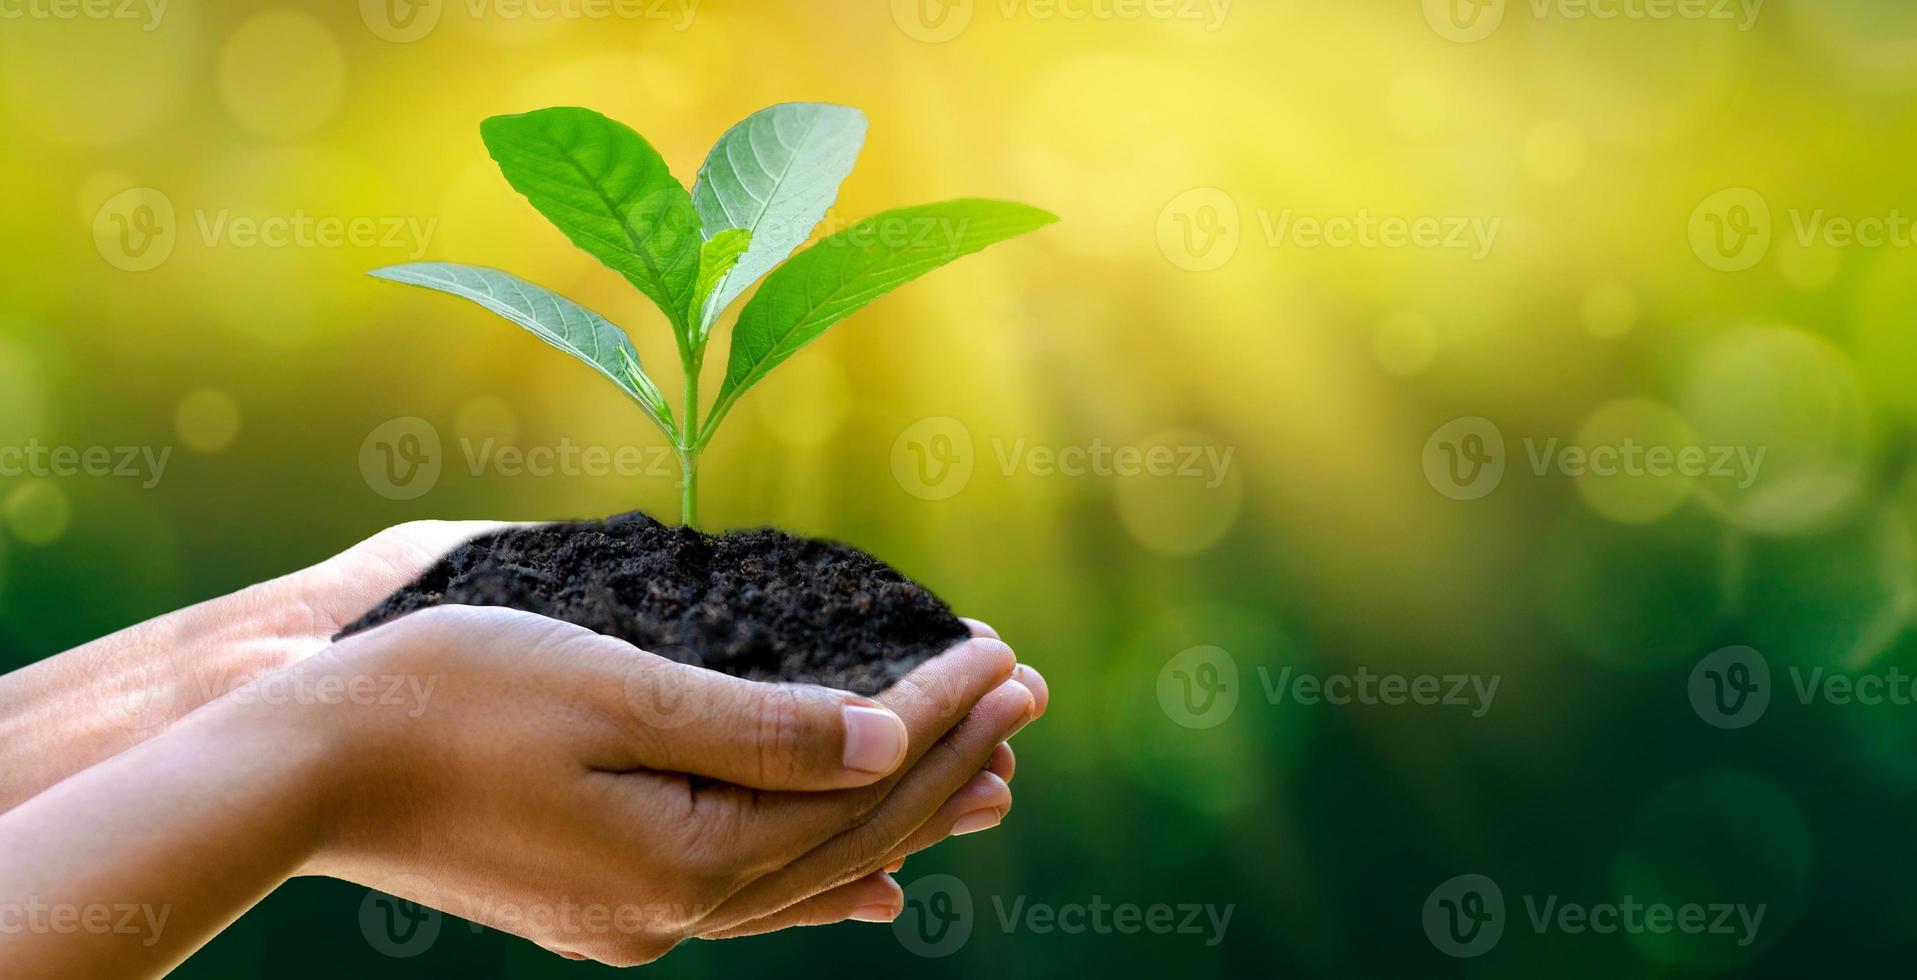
(348, 711)
(286, 754)
(75, 709)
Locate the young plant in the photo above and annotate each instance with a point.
(763, 189)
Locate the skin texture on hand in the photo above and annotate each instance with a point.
(526, 765)
(68, 712)
(567, 727)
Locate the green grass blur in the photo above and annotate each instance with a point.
(1644, 236)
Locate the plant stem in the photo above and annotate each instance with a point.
(688, 446)
(689, 488)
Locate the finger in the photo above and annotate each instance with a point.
(937, 696)
(1004, 761)
(931, 701)
(1041, 692)
(981, 805)
(345, 587)
(1025, 674)
(915, 798)
(873, 898)
(763, 736)
(1002, 764)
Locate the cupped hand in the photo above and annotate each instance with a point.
(607, 803)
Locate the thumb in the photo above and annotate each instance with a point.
(764, 736)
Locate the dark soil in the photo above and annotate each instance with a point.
(763, 605)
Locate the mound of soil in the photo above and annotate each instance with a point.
(764, 605)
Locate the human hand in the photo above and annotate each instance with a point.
(535, 724)
(70, 711)
(238, 795)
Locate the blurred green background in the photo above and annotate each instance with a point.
(1378, 274)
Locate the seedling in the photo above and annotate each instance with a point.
(763, 189)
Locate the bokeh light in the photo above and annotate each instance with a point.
(1634, 246)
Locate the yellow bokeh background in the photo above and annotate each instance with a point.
(1298, 240)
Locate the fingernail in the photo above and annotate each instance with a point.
(972, 823)
(1031, 707)
(1035, 681)
(874, 739)
(876, 913)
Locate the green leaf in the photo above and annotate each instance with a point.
(717, 258)
(611, 193)
(774, 174)
(843, 272)
(550, 317)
